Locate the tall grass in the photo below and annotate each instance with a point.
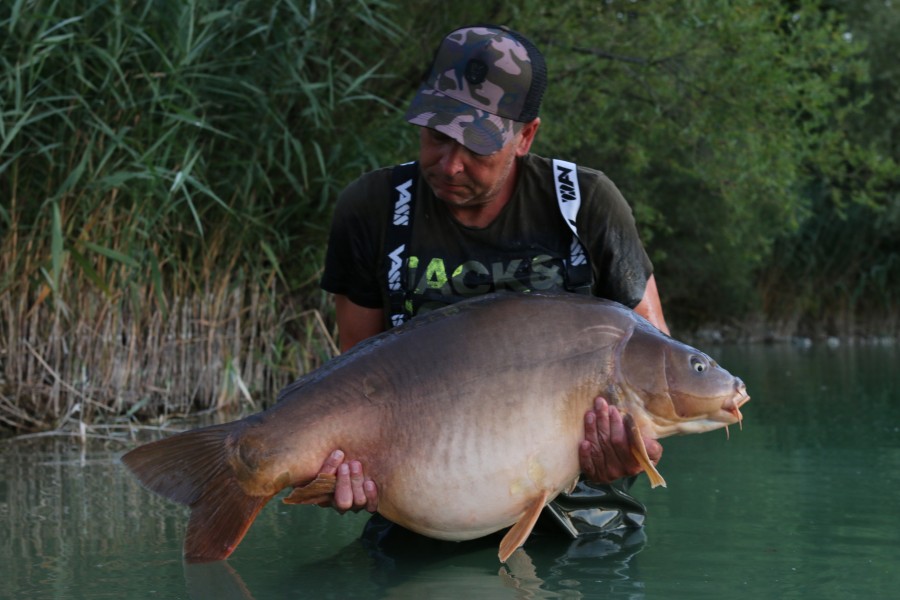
(158, 162)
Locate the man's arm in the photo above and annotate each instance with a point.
(651, 308)
(356, 323)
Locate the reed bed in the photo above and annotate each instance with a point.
(228, 340)
(165, 177)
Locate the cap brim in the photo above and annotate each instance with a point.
(476, 129)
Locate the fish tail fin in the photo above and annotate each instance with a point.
(193, 468)
(219, 522)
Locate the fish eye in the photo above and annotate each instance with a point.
(698, 364)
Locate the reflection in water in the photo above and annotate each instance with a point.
(215, 580)
(545, 568)
(69, 517)
(801, 503)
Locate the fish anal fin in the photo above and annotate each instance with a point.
(519, 532)
(639, 451)
(319, 490)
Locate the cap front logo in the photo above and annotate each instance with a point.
(476, 71)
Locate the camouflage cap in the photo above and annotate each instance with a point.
(484, 83)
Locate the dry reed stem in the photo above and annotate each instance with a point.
(99, 358)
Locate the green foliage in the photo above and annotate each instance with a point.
(193, 114)
(875, 24)
(174, 165)
(839, 272)
(712, 117)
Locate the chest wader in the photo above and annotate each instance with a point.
(590, 507)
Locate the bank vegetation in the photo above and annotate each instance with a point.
(167, 172)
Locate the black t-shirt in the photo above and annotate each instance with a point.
(525, 248)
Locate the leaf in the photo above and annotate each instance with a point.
(110, 253)
(56, 247)
(88, 269)
(267, 249)
(137, 406)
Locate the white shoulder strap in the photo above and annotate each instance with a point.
(568, 195)
(565, 178)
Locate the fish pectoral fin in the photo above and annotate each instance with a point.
(519, 532)
(319, 490)
(639, 451)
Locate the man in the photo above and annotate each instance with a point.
(479, 213)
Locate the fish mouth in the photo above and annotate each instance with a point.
(733, 405)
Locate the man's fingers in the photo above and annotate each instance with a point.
(352, 489)
(343, 492)
(331, 464)
(371, 491)
(617, 435)
(620, 440)
(586, 459)
(601, 410)
(590, 427)
(605, 453)
(654, 450)
(356, 483)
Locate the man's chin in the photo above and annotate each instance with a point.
(458, 196)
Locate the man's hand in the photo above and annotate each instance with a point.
(353, 490)
(605, 452)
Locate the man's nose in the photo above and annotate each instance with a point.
(452, 158)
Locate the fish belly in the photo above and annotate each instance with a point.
(481, 478)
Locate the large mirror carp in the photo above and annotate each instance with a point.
(468, 418)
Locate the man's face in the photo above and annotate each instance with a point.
(464, 179)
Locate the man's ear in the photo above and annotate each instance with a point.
(526, 136)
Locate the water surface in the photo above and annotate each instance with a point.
(804, 502)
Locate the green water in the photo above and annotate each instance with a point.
(804, 502)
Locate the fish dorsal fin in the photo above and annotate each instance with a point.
(639, 451)
(319, 490)
(519, 532)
